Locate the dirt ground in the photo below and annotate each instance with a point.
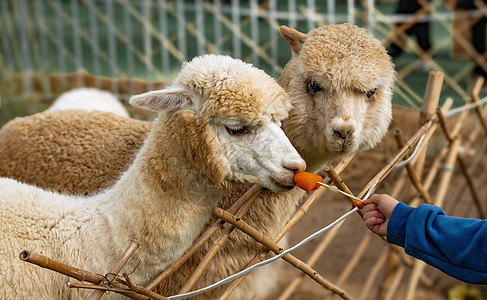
(344, 246)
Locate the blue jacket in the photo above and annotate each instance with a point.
(456, 246)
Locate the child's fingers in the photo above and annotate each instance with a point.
(369, 207)
(373, 214)
(373, 221)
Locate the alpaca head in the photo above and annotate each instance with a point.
(340, 83)
(233, 111)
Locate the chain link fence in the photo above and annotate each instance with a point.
(130, 46)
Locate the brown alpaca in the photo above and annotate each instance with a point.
(340, 84)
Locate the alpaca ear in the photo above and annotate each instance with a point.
(295, 38)
(175, 98)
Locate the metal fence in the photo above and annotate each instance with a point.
(129, 46)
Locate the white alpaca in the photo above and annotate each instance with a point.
(89, 99)
(217, 124)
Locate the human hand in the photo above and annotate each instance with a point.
(376, 212)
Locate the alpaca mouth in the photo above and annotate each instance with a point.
(280, 185)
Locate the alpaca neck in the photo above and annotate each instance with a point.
(162, 200)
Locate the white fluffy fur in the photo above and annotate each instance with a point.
(89, 99)
(167, 194)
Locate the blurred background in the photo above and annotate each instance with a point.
(131, 46)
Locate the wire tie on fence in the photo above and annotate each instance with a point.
(446, 168)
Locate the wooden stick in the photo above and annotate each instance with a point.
(377, 179)
(413, 176)
(117, 267)
(250, 195)
(325, 242)
(371, 278)
(215, 248)
(140, 289)
(124, 291)
(439, 200)
(57, 266)
(428, 108)
(297, 215)
(474, 96)
(395, 282)
(261, 238)
(463, 167)
(422, 148)
(397, 158)
(78, 274)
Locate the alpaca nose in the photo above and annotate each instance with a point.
(295, 166)
(343, 133)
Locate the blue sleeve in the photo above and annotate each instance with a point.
(456, 246)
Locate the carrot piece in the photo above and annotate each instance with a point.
(307, 181)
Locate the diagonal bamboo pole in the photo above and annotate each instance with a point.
(445, 180)
(371, 279)
(117, 267)
(376, 180)
(215, 248)
(301, 211)
(474, 96)
(462, 165)
(78, 274)
(312, 260)
(413, 176)
(258, 236)
(250, 195)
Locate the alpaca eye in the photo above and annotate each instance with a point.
(237, 130)
(370, 93)
(312, 87)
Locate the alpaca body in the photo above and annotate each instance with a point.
(212, 131)
(89, 99)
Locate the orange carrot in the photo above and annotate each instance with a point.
(307, 181)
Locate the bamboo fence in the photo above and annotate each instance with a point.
(415, 184)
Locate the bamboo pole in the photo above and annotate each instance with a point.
(117, 267)
(250, 195)
(78, 274)
(261, 238)
(371, 279)
(295, 218)
(338, 182)
(394, 257)
(396, 158)
(462, 165)
(124, 291)
(413, 176)
(57, 266)
(215, 248)
(395, 282)
(439, 200)
(325, 242)
(474, 96)
(428, 108)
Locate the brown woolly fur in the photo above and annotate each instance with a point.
(340, 84)
(81, 162)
